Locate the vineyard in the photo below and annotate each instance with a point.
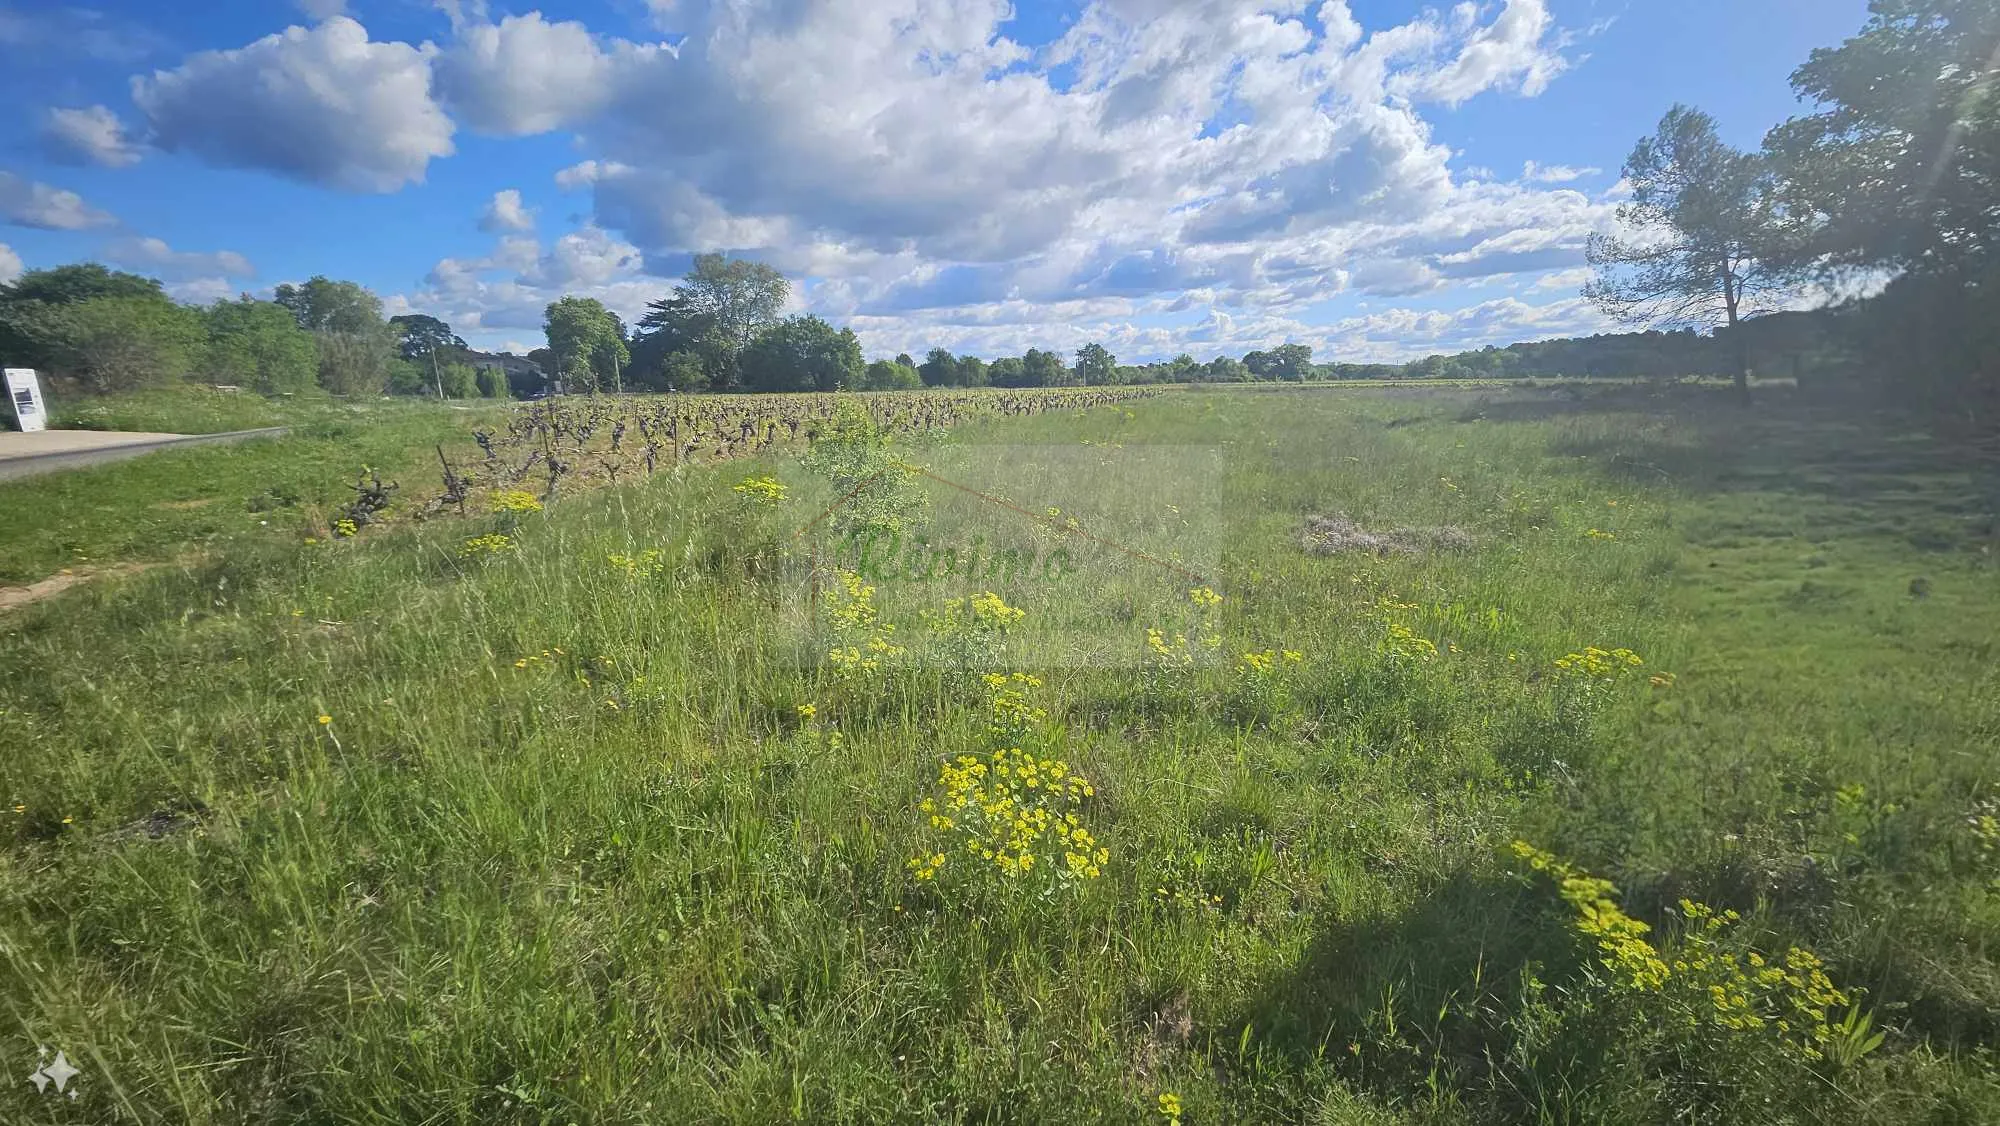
(565, 445)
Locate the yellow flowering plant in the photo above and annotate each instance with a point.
(1704, 978)
(486, 546)
(1262, 682)
(648, 564)
(764, 490)
(519, 502)
(1013, 814)
(863, 642)
(1403, 645)
(972, 632)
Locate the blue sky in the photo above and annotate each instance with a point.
(1379, 180)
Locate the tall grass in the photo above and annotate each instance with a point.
(379, 831)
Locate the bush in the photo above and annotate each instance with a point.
(354, 363)
(492, 383)
(459, 381)
(258, 344)
(410, 377)
(116, 343)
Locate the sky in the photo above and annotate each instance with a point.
(1378, 180)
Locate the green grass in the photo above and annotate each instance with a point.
(181, 409)
(627, 882)
(179, 503)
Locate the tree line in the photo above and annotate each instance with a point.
(720, 330)
(107, 330)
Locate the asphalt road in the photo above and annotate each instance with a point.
(47, 451)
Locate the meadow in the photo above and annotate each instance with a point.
(1426, 755)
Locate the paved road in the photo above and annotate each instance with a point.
(23, 455)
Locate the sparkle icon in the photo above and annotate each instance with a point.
(59, 1072)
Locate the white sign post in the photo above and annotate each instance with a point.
(24, 392)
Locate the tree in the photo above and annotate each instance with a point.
(259, 344)
(1226, 369)
(891, 375)
(460, 381)
(716, 311)
(117, 343)
(26, 303)
(1095, 365)
(82, 281)
(584, 337)
(1900, 168)
(1704, 240)
(1044, 369)
(355, 345)
(1901, 164)
(408, 377)
(492, 382)
(1008, 371)
(354, 363)
(322, 305)
(969, 371)
(1292, 362)
(802, 353)
(903, 359)
(422, 337)
(939, 368)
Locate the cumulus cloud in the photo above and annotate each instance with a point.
(201, 291)
(508, 289)
(324, 105)
(525, 75)
(864, 133)
(92, 135)
(154, 256)
(917, 170)
(10, 264)
(1515, 50)
(1554, 173)
(506, 213)
(30, 203)
(588, 172)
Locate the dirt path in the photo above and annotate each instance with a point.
(14, 597)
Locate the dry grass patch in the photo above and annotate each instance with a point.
(1339, 535)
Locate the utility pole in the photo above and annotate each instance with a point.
(437, 380)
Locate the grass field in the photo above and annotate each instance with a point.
(575, 815)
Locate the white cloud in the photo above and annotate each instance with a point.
(201, 291)
(1514, 50)
(589, 172)
(1562, 280)
(30, 203)
(154, 256)
(918, 171)
(508, 289)
(10, 264)
(1554, 173)
(322, 104)
(92, 135)
(525, 75)
(506, 213)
